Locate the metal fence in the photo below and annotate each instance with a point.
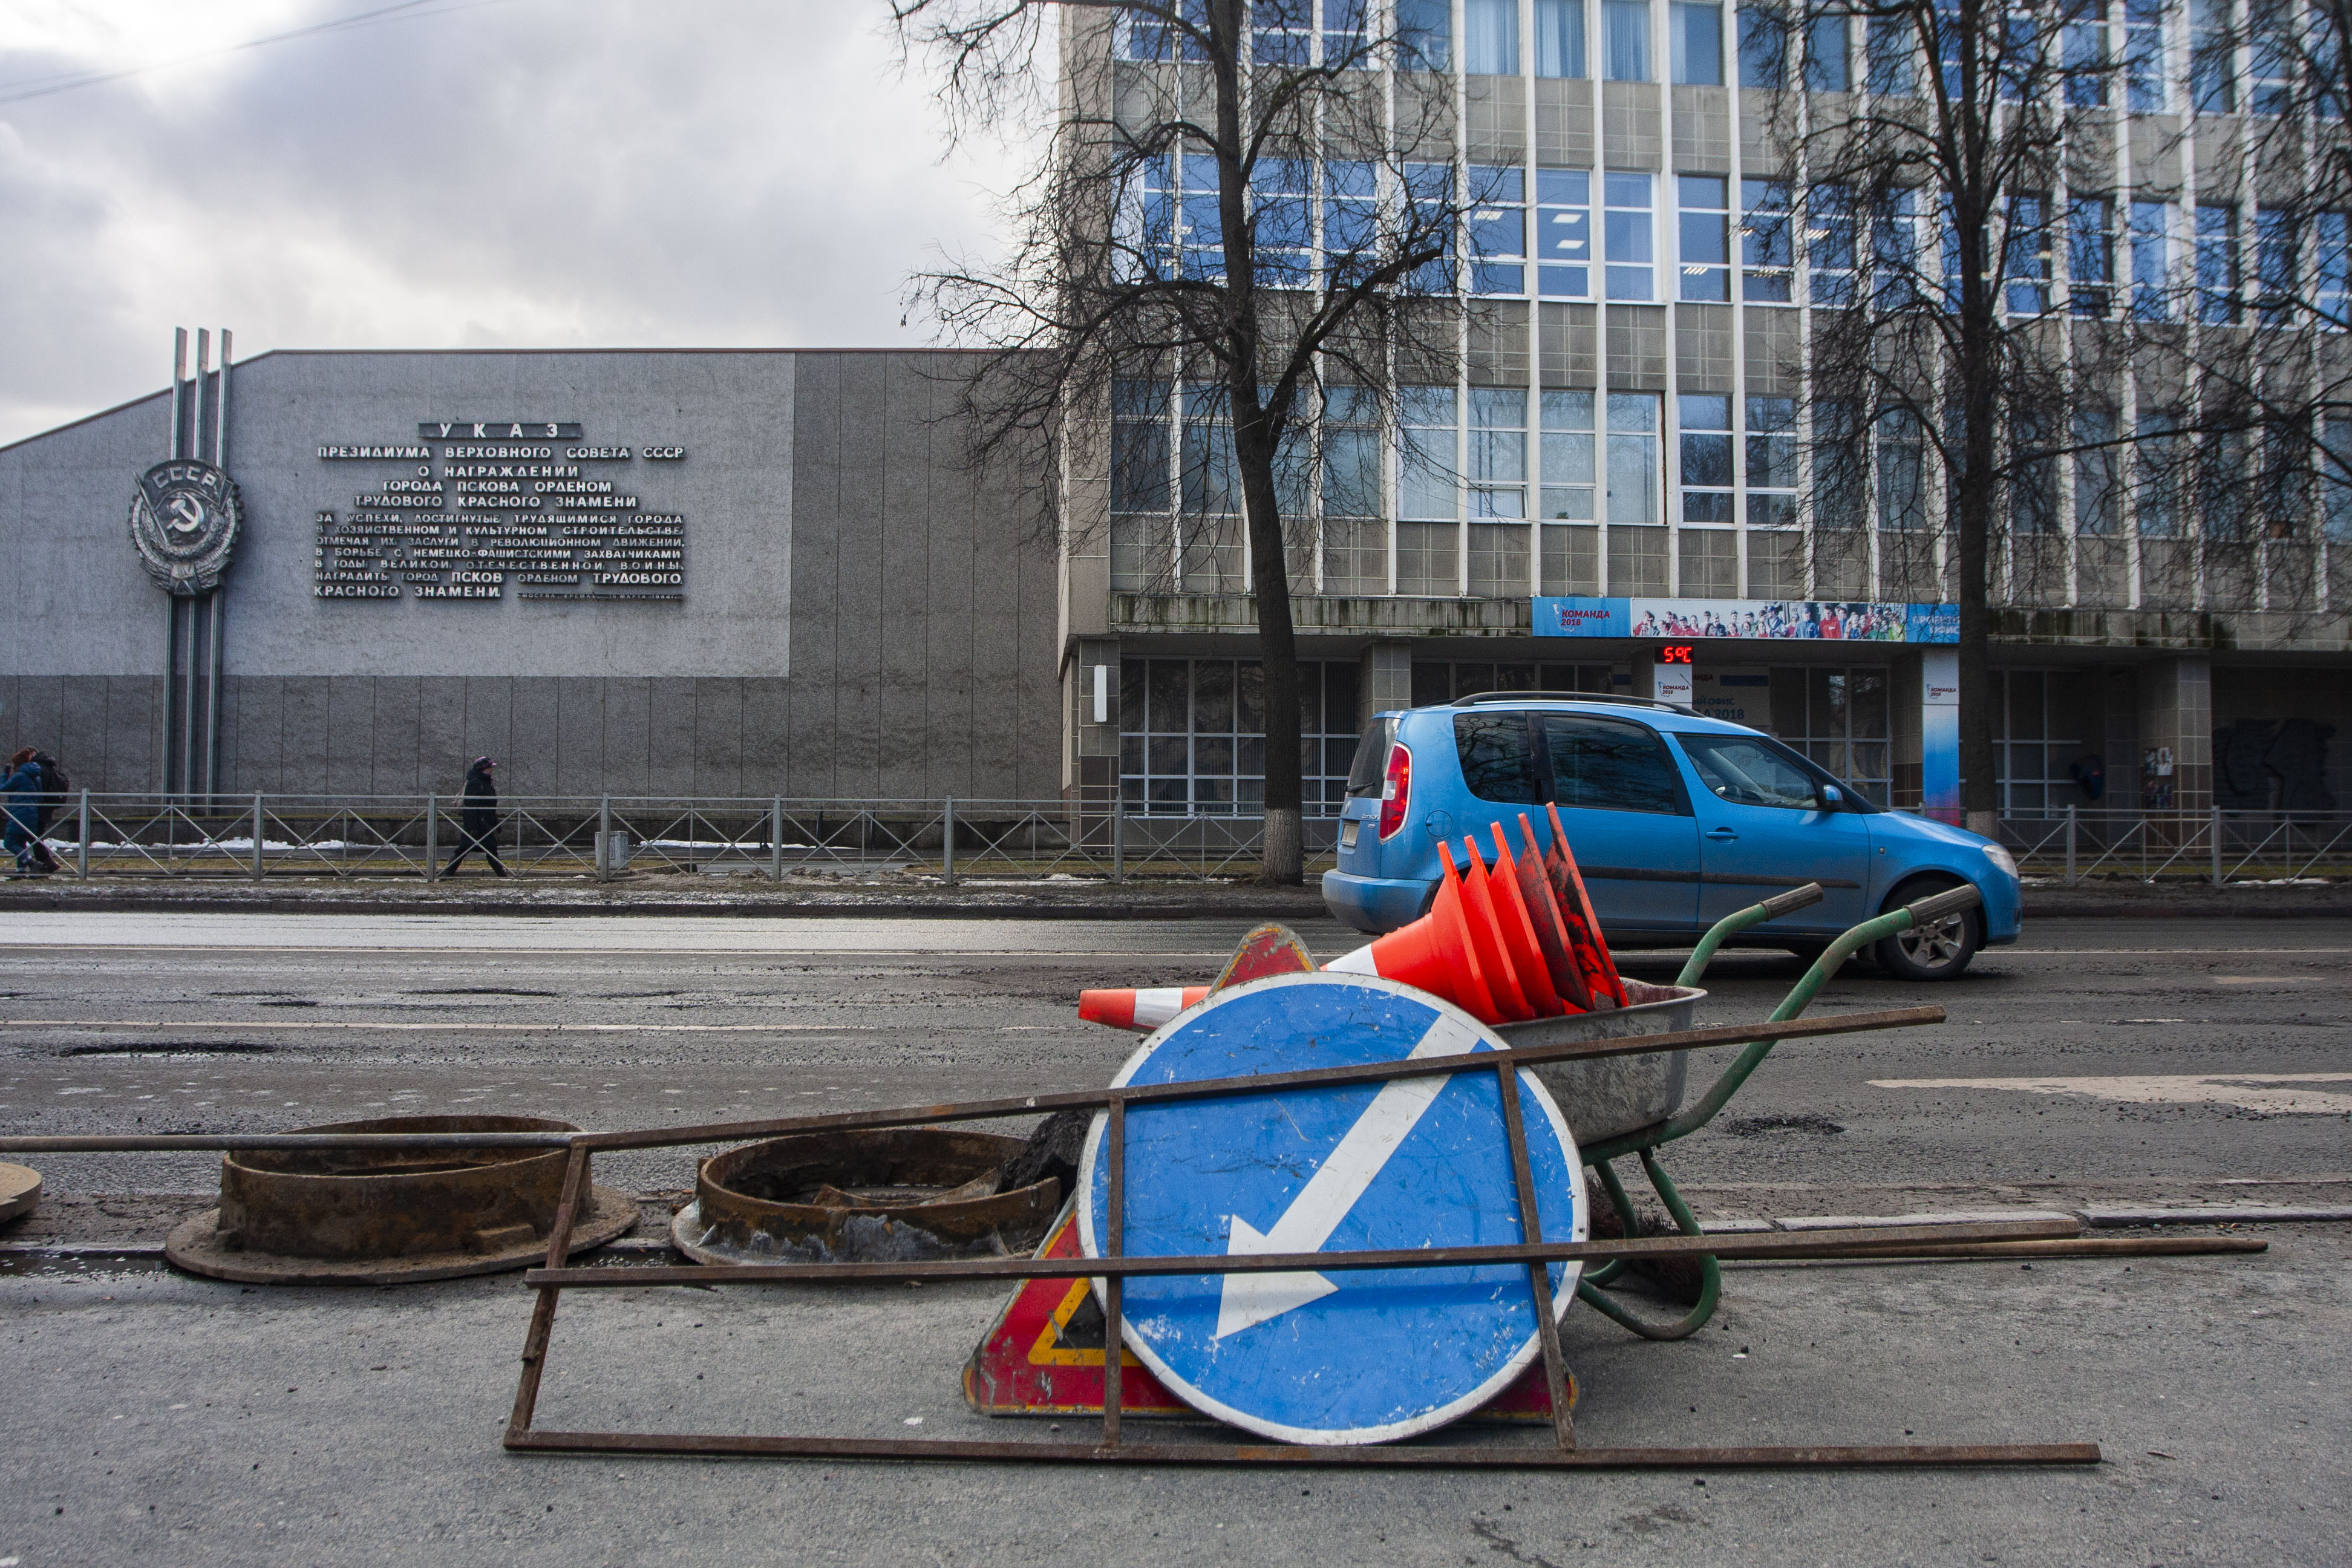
(2213, 846)
(263, 835)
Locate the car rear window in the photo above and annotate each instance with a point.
(1497, 756)
(1610, 764)
(1371, 757)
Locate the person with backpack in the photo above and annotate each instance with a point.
(480, 819)
(24, 790)
(54, 786)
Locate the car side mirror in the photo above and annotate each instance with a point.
(1831, 795)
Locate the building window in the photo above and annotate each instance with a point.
(2026, 259)
(1628, 234)
(1193, 735)
(1763, 49)
(1840, 476)
(1563, 234)
(1828, 55)
(2089, 255)
(1765, 255)
(2144, 71)
(1199, 230)
(1281, 197)
(1490, 36)
(2213, 58)
(1902, 472)
(2151, 260)
(2335, 480)
(1424, 31)
(1139, 483)
(1828, 246)
(1637, 470)
(1706, 254)
(1710, 564)
(2083, 53)
(1698, 43)
(1570, 560)
(1282, 32)
(1437, 680)
(1838, 718)
(1345, 34)
(1429, 504)
(2039, 733)
(1625, 25)
(2333, 241)
(1704, 438)
(1887, 58)
(2217, 266)
(2098, 473)
(1771, 462)
(1355, 532)
(1351, 219)
(1498, 492)
(1559, 37)
(1497, 228)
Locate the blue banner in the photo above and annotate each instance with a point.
(1761, 620)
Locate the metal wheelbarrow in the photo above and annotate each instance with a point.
(1633, 1105)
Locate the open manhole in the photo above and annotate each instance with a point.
(884, 1196)
(365, 1217)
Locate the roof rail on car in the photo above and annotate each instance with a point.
(1574, 697)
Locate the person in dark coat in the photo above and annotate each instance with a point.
(24, 789)
(480, 819)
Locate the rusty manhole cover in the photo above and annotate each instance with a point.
(359, 1216)
(839, 1197)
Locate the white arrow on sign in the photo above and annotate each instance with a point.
(1352, 1166)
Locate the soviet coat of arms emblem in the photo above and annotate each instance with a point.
(184, 520)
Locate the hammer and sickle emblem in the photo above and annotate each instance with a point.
(185, 514)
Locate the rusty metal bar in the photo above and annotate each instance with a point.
(1515, 1136)
(542, 1312)
(2084, 1247)
(979, 1110)
(1262, 1083)
(1389, 1457)
(1114, 1245)
(1860, 1241)
(174, 1143)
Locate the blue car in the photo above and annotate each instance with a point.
(1676, 820)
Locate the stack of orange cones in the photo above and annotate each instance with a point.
(1506, 944)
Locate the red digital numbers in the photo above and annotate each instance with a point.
(1675, 653)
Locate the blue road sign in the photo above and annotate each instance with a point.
(1352, 1356)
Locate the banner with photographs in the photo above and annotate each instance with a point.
(1759, 620)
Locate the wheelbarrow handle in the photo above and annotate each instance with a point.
(1795, 899)
(1949, 902)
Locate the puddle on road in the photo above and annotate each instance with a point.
(94, 1267)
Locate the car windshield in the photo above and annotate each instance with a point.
(1755, 770)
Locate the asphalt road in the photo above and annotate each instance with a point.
(2160, 1058)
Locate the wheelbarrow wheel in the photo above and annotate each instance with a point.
(1939, 950)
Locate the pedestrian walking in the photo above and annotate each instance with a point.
(53, 786)
(23, 789)
(480, 817)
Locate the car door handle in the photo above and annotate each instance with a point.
(1723, 834)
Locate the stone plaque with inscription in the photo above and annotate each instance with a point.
(484, 510)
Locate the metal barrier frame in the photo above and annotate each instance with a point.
(1115, 1267)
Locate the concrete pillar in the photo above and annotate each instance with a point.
(1384, 680)
(1905, 727)
(1642, 662)
(2176, 734)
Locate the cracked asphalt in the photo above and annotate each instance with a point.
(166, 1418)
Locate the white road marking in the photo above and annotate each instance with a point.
(2247, 1091)
(1351, 1167)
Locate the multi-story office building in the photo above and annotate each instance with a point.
(1626, 454)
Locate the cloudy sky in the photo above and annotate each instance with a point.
(463, 173)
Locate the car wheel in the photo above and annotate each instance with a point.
(1939, 950)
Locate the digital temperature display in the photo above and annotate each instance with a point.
(1675, 653)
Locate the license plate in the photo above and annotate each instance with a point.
(1348, 833)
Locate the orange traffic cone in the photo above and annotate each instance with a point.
(1127, 1008)
(1560, 860)
(1518, 927)
(1486, 935)
(1551, 927)
(1436, 953)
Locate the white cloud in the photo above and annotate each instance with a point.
(541, 172)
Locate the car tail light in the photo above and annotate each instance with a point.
(1396, 793)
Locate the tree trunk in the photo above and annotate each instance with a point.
(1973, 506)
(1282, 861)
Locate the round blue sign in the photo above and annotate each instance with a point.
(1354, 1355)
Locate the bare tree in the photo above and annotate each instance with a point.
(1966, 333)
(1252, 205)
